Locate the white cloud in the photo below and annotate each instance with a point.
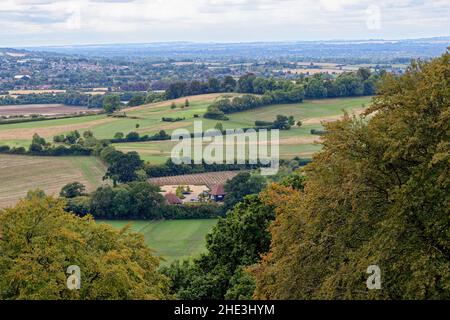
(218, 20)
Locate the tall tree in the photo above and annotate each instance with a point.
(39, 241)
(236, 242)
(240, 186)
(378, 194)
(124, 167)
(111, 103)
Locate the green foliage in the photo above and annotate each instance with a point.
(123, 166)
(236, 241)
(111, 103)
(219, 126)
(37, 144)
(282, 123)
(39, 241)
(240, 186)
(377, 194)
(215, 113)
(132, 136)
(137, 100)
(72, 190)
(119, 135)
(137, 200)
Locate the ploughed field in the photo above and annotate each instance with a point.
(18, 174)
(41, 109)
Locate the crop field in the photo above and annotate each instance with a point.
(208, 179)
(18, 174)
(42, 109)
(147, 120)
(173, 239)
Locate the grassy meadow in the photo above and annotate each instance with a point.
(172, 239)
(24, 173)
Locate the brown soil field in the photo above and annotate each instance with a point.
(209, 179)
(19, 174)
(42, 109)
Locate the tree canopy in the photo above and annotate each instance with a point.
(378, 194)
(39, 241)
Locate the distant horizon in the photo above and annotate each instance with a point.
(36, 23)
(443, 37)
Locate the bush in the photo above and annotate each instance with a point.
(79, 205)
(132, 136)
(216, 114)
(168, 119)
(318, 132)
(260, 123)
(191, 211)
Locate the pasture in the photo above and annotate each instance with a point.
(172, 239)
(146, 119)
(18, 174)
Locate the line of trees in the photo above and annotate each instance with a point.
(172, 169)
(133, 200)
(69, 98)
(241, 103)
(271, 91)
(188, 88)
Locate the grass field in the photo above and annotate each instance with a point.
(171, 239)
(18, 174)
(297, 141)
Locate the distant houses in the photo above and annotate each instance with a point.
(195, 194)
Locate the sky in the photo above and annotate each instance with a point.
(68, 22)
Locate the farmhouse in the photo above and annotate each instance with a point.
(172, 199)
(217, 193)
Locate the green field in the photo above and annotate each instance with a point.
(18, 174)
(171, 239)
(147, 120)
(310, 111)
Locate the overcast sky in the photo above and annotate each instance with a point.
(56, 22)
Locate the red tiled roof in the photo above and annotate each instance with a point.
(172, 199)
(218, 190)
